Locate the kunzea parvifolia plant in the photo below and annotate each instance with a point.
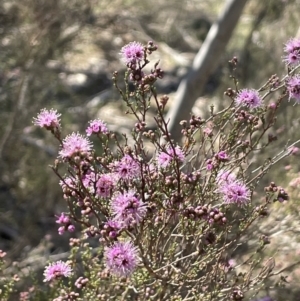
(168, 217)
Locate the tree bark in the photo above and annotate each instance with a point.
(204, 64)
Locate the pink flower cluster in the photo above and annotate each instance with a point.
(65, 221)
(96, 126)
(221, 156)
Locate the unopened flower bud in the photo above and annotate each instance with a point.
(71, 228)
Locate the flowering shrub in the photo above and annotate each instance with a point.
(167, 223)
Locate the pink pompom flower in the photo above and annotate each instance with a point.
(293, 86)
(165, 158)
(75, 144)
(128, 209)
(121, 258)
(48, 119)
(235, 192)
(249, 98)
(56, 270)
(132, 53)
(292, 52)
(127, 168)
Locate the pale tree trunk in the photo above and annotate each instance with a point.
(204, 64)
